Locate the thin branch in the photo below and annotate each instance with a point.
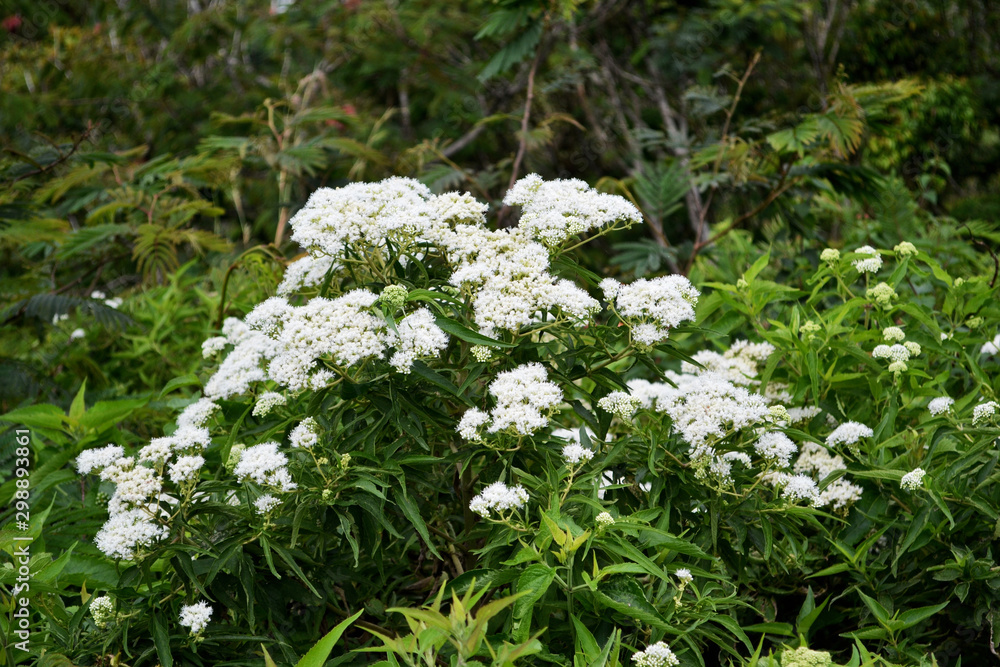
(52, 165)
(523, 146)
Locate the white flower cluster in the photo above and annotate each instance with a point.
(305, 435)
(817, 461)
(740, 364)
(363, 215)
(872, 261)
(266, 466)
(706, 407)
(619, 403)
(893, 334)
(500, 498)
(940, 405)
(419, 336)
(308, 271)
(553, 211)
(196, 616)
(575, 453)
(522, 396)
(848, 433)
(984, 412)
(266, 503)
(912, 480)
(652, 307)
(102, 609)
(604, 519)
(267, 402)
(991, 348)
(657, 655)
(776, 448)
(134, 517)
(684, 575)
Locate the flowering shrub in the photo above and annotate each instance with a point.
(432, 411)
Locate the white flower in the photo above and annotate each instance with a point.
(684, 575)
(267, 402)
(185, 468)
(575, 453)
(800, 487)
(471, 422)
(498, 497)
(913, 348)
(196, 414)
(419, 336)
(803, 414)
(870, 264)
(893, 334)
(984, 412)
(212, 346)
(157, 451)
(307, 271)
(78, 334)
(611, 289)
(776, 448)
(839, 494)
(892, 352)
(604, 519)
(619, 403)
(522, 394)
(266, 503)
(552, 211)
(940, 405)
(265, 465)
(103, 611)
(126, 531)
(830, 255)
(848, 433)
(96, 459)
(905, 249)
(306, 434)
(657, 655)
(739, 364)
(991, 348)
(912, 480)
(705, 407)
(817, 460)
(660, 304)
(195, 616)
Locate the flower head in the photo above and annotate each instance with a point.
(196, 616)
(498, 497)
(870, 263)
(912, 480)
(657, 655)
(940, 405)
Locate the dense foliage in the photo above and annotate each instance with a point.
(732, 403)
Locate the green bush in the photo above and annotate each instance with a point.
(440, 425)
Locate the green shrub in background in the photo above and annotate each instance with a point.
(496, 453)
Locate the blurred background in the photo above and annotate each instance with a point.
(153, 151)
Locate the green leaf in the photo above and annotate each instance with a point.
(449, 325)
(77, 408)
(880, 612)
(161, 639)
(533, 582)
(105, 414)
(36, 416)
(412, 513)
(623, 595)
(914, 616)
(318, 654)
(182, 381)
